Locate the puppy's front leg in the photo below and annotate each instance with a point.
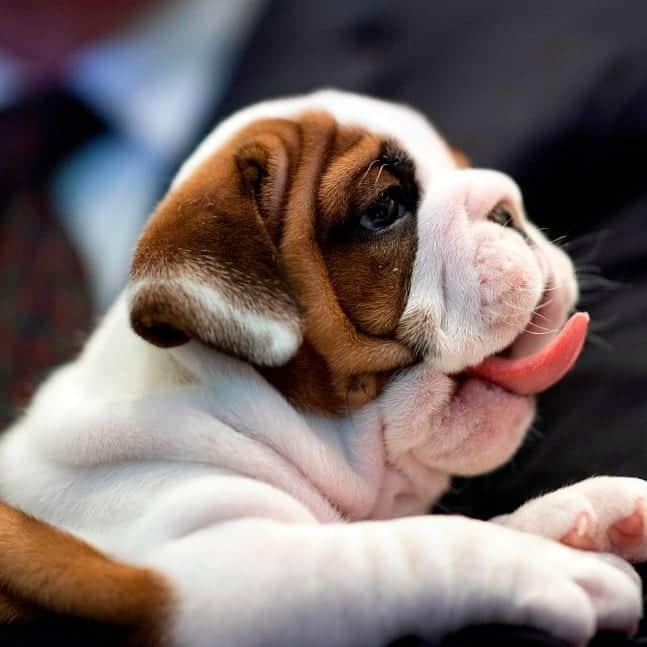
(260, 582)
(605, 513)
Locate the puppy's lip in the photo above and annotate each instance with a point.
(540, 370)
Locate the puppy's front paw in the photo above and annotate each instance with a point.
(604, 514)
(583, 598)
(572, 594)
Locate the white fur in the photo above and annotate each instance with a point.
(591, 507)
(468, 271)
(277, 528)
(398, 121)
(273, 341)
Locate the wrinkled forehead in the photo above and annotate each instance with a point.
(399, 123)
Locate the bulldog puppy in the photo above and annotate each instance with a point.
(327, 317)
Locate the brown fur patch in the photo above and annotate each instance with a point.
(211, 231)
(45, 572)
(254, 223)
(370, 276)
(460, 158)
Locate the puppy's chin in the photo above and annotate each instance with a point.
(490, 417)
(496, 422)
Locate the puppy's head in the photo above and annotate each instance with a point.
(332, 239)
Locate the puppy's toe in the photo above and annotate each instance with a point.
(627, 534)
(602, 514)
(581, 534)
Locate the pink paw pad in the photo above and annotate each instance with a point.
(580, 534)
(629, 530)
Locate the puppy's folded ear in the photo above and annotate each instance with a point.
(206, 266)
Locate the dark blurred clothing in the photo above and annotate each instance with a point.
(47, 309)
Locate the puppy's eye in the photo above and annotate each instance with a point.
(384, 212)
(501, 216)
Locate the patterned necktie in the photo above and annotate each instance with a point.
(46, 308)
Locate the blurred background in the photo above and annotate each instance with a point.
(100, 101)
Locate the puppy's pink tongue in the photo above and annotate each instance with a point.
(539, 371)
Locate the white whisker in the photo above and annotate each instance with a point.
(536, 313)
(537, 332)
(379, 173)
(368, 170)
(545, 304)
(543, 329)
(559, 240)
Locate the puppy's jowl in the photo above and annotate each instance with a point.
(328, 316)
